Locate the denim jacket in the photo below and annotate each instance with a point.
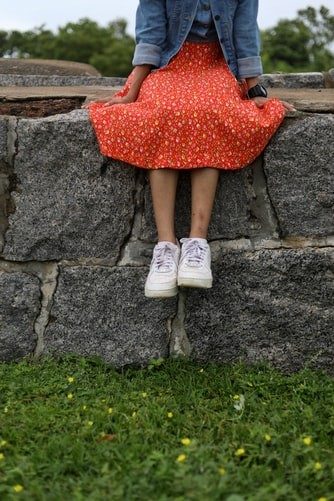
(162, 27)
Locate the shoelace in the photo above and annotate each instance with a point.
(163, 257)
(194, 252)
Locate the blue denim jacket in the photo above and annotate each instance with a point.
(162, 27)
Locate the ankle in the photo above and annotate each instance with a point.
(173, 240)
(198, 234)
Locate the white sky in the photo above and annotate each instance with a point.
(27, 14)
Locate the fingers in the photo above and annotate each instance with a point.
(289, 106)
(86, 105)
(114, 100)
(105, 103)
(108, 103)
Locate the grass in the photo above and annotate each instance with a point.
(77, 429)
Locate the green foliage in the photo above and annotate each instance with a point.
(76, 428)
(300, 44)
(109, 49)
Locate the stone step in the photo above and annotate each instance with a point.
(308, 100)
(313, 80)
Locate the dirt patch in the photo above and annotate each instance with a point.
(36, 108)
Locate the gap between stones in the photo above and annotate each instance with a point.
(124, 257)
(260, 205)
(9, 179)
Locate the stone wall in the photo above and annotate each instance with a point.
(77, 232)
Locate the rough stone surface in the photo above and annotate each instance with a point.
(311, 80)
(299, 167)
(103, 311)
(271, 236)
(234, 212)
(57, 80)
(20, 304)
(269, 305)
(45, 67)
(65, 208)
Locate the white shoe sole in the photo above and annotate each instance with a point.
(161, 293)
(203, 283)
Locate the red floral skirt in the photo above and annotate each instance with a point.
(190, 113)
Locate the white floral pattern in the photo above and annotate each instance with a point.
(191, 113)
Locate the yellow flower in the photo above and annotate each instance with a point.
(2, 456)
(103, 400)
(3, 443)
(110, 410)
(181, 457)
(70, 396)
(134, 414)
(240, 452)
(84, 407)
(185, 441)
(144, 394)
(236, 397)
(70, 379)
(201, 370)
(307, 440)
(5, 410)
(322, 499)
(317, 465)
(169, 414)
(17, 488)
(90, 423)
(267, 437)
(222, 471)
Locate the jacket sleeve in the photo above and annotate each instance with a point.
(150, 31)
(246, 39)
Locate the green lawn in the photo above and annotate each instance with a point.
(77, 429)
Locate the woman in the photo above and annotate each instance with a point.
(192, 101)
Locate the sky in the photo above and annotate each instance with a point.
(27, 14)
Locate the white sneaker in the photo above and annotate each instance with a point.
(162, 278)
(195, 263)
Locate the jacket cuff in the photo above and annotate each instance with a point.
(250, 67)
(147, 53)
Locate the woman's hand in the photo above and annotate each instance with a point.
(259, 101)
(129, 98)
(130, 89)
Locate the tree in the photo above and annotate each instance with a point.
(34, 43)
(300, 44)
(109, 49)
(3, 42)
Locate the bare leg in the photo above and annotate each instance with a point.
(203, 189)
(163, 188)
